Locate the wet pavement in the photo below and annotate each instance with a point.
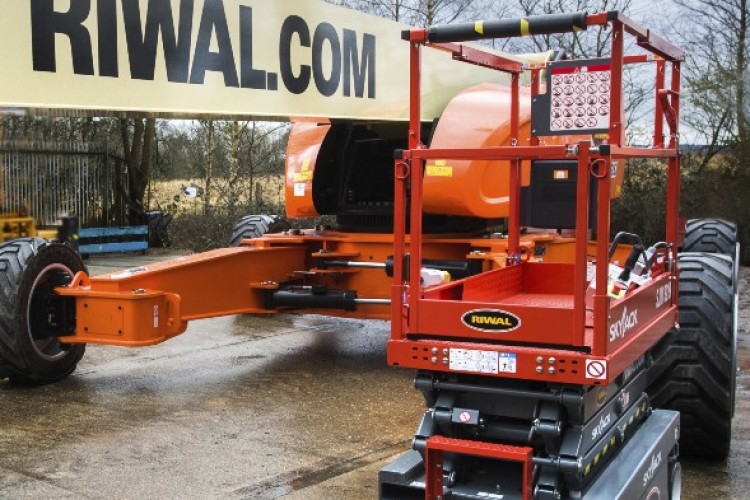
(300, 407)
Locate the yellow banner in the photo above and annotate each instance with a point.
(191, 58)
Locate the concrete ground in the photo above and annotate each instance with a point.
(242, 407)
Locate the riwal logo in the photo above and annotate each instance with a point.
(627, 322)
(491, 320)
(196, 40)
(604, 422)
(655, 463)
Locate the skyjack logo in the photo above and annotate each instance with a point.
(627, 322)
(655, 463)
(597, 431)
(95, 38)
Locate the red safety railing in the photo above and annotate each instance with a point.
(425, 323)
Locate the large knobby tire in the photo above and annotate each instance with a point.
(29, 269)
(255, 226)
(710, 235)
(694, 370)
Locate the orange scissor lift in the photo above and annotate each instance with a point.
(534, 373)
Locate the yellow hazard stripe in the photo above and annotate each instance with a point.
(479, 27)
(524, 27)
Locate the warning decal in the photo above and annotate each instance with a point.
(439, 169)
(580, 98)
(469, 360)
(507, 362)
(596, 369)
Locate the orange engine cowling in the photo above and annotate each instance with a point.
(477, 118)
(345, 168)
(303, 149)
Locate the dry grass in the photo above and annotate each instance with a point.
(169, 194)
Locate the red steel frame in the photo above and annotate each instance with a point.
(437, 445)
(557, 341)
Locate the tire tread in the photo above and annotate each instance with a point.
(710, 235)
(255, 226)
(692, 370)
(17, 361)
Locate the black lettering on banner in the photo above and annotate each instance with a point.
(168, 26)
(142, 46)
(106, 14)
(251, 78)
(359, 71)
(46, 23)
(214, 20)
(325, 32)
(294, 25)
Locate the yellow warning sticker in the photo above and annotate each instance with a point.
(306, 165)
(479, 27)
(439, 169)
(560, 175)
(303, 176)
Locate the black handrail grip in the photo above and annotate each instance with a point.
(506, 28)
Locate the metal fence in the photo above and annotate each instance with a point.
(50, 180)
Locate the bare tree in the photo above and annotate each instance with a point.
(590, 43)
(139, 145)
(205, 138)
(254, 150)
(231, 158)
(716, 72)
(594, 42)
(419, 12)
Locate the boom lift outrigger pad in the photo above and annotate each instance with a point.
(551, 367)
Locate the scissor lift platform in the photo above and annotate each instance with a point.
(534, 374)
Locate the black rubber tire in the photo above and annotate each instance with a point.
(710, 235)
(26, 354)
(694, 366)
(158, 229)
(255, 226)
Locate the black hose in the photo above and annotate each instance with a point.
(638, 251)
